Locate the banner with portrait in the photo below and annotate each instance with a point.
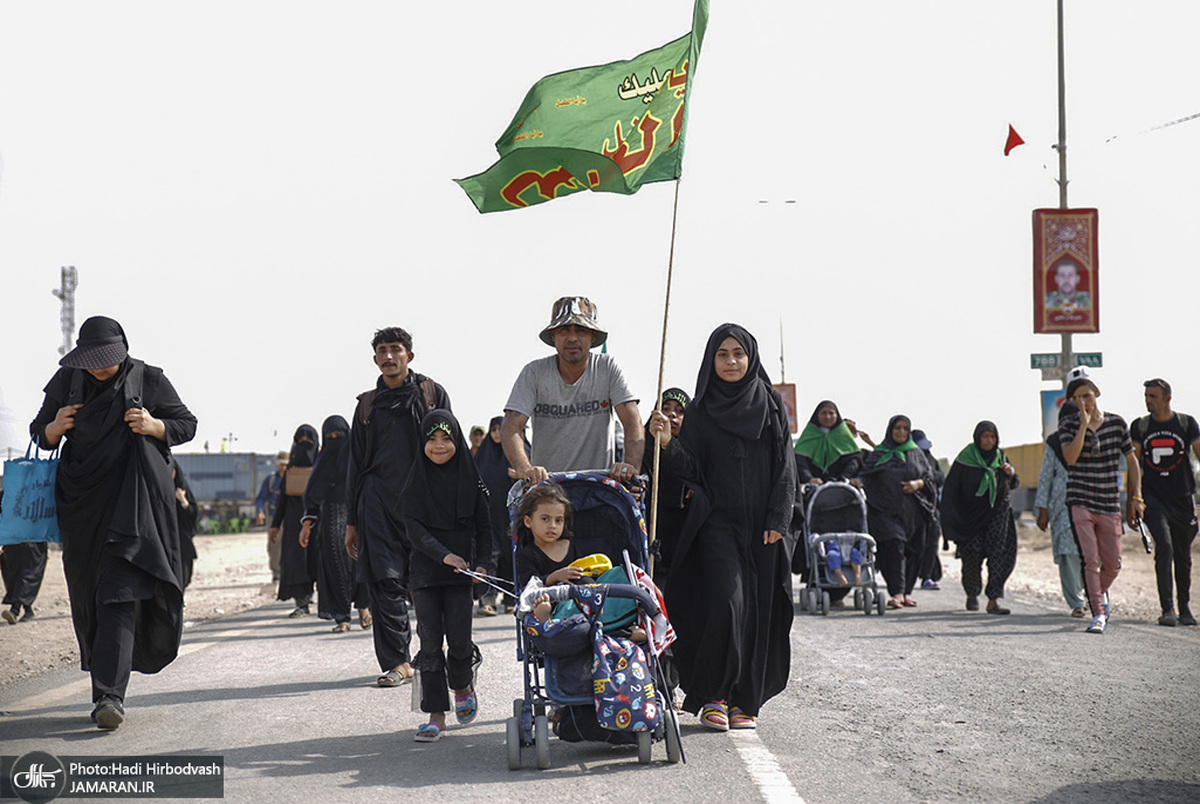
(1066, 270)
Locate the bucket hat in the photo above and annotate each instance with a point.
(577, 310)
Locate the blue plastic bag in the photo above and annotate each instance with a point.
(29, 513)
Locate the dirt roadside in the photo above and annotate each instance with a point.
(232, 575)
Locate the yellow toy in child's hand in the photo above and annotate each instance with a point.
(593, 565)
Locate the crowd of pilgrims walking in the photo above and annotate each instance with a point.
(395, 507)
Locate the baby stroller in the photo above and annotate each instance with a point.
(562, 671)
(835, 517)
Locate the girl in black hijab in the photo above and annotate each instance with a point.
(900, 503)
(734, 615)
(446, 517)
(325, 505)
(297, 562)
(976, 514)
(116, 508)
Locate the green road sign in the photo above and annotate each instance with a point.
(1054, 359)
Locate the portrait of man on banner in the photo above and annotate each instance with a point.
(1065, 270)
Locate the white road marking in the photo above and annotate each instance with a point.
(772, 782)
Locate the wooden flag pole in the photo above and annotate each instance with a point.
(662, 361)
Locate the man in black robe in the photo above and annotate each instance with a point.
(384, 439)
(116, 508)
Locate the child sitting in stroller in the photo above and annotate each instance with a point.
(544, 534)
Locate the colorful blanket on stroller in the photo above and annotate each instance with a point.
(624, 686)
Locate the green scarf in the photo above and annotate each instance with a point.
(887, 453)
(823, 448)
(972, 456)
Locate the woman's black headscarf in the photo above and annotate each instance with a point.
(329, 471)
(742, 408)
(302, 453)
(492, 463)
(825, 403)
(889, 449)
(442, 496)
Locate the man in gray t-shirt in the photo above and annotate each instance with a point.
(571, 397)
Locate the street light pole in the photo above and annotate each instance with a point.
(1066, 358)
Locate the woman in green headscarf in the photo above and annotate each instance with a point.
(976, 514)
(826, 449)
(900, 502)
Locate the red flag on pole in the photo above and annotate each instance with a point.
(1014, 139)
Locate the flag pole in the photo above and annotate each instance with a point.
(662, 361)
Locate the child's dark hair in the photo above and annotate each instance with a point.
(392, 335)
(545, 493)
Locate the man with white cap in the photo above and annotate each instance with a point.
(572, 397)
(1092, 445)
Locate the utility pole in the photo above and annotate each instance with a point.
(66, 316)
(1067, 360)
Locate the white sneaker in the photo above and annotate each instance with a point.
(1097, 626)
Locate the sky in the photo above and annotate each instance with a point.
(252, 188)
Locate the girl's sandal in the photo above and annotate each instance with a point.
(428, 733)
(465, 707)
(714, 716)
(740, 720)
(364, 618)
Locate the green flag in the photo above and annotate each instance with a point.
(610, 128)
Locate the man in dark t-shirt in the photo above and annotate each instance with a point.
(1161, 441)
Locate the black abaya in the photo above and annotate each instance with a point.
(297, 564)
(734, 615)
(116, 506)
(325, 499)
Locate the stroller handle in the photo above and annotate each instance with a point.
(566, 591)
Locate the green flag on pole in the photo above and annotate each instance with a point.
(610, 129)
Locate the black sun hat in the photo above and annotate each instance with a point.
(101, 344)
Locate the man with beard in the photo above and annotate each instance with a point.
(384, 439)
(116, 508)
(571, 397)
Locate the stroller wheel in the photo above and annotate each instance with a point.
(517, 704)
(812, 601)
(541, 741)
(858, 598)
(513, 737)
(644, 745)
(825, 603)
(671, 729)
(868, 598)
(880, 604)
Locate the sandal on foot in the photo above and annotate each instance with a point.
(341, 628)
(895, 603)
(908, 601)
(428, 733)
(740, 720)
(394, 677)
(994, 607)
(299, 611)
(715, 716)
(465, 707)
(364, 618)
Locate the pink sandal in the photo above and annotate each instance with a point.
(714, 716)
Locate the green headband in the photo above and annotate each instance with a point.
(443, 426)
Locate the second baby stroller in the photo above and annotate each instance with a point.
(836, 538)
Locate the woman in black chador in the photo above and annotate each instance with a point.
(116, 508)
(977, 516)
(734, 612)
(325, 504)
(297, 563)
(187, 513)
(900, 504)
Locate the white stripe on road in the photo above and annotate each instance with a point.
(772, 782)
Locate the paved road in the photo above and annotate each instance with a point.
(929, 704)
